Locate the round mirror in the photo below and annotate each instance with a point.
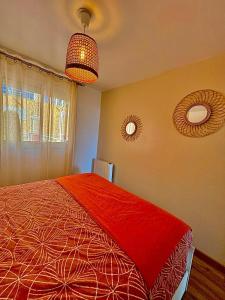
(198, 114)
(130, 128)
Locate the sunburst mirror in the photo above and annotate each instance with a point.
(200, 113)
(131, 128)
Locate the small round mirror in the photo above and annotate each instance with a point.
(198, 114)
(130, 128)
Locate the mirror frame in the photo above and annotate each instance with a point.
(214, 102)
(131, 119)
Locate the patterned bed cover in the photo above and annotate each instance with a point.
(50, 248)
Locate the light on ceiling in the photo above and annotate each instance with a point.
(82, 54)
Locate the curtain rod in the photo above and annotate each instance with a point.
(37, 65)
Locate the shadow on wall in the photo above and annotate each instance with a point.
(76, 170)
(87, 127)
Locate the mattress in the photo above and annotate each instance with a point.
(51, 248)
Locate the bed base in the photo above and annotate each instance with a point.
(184, 282)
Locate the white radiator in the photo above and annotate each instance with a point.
(103, 168)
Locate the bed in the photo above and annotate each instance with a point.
(74, 238)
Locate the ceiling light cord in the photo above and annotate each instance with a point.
(85, 17)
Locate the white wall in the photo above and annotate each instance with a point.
(87, 127)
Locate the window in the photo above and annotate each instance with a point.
(23, 111)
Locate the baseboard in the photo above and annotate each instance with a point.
(210, 261)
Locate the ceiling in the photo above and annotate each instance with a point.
(137, 39)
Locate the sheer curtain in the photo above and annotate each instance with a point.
(37, 123)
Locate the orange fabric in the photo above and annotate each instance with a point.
(145, 232)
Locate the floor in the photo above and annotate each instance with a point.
(206, 283)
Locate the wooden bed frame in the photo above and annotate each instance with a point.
(184, 282)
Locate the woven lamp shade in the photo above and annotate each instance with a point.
(82, 58)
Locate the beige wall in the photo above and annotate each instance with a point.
(184, 175)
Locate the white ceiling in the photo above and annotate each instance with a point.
(137, 38)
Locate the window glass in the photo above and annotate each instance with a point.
(33, 118)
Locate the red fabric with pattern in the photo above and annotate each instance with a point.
(51, 248)
(145, 232)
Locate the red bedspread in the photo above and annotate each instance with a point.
(51, 248)
(145, 232)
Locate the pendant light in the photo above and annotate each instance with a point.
(82, 53)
